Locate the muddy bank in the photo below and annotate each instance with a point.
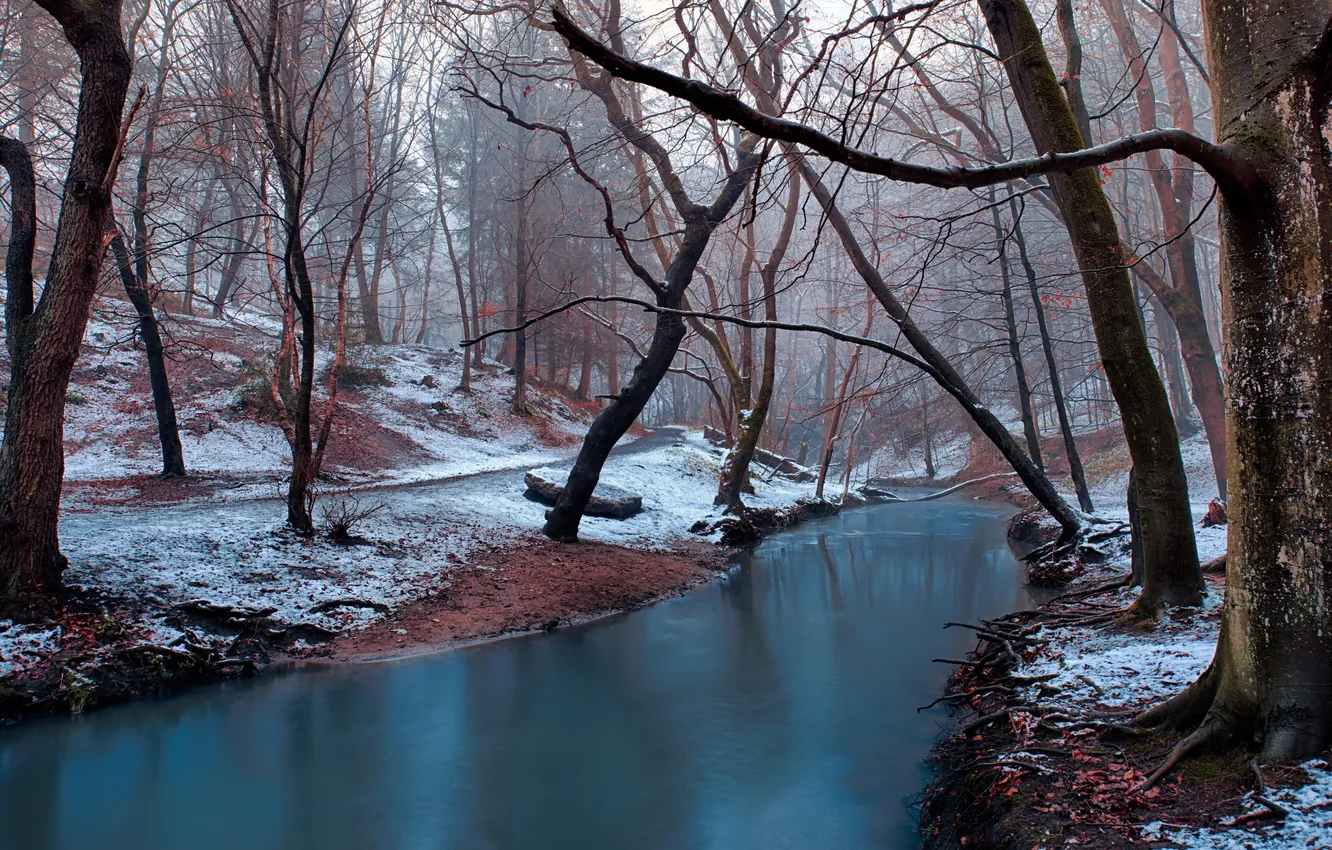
(513, 588)
(531, 585)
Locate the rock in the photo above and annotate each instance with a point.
(607, 501)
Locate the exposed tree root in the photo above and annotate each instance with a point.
(1187, 707)
(1212, 731)
(1270, 810)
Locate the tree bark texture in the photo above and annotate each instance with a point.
(1271, 679)
(44, 340)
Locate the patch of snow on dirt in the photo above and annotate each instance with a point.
(23, 645)
(1308, 823)
(1132, 668)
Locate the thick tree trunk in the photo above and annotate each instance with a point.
(1169, 550)
(44, 341)
(1271, 679)
(562, 521)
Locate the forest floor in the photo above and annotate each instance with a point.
(1032, 759)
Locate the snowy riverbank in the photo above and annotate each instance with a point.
(1039, 760)
(226, 582)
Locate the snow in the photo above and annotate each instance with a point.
(1307, 825)
(1110, 487)
(238, 553)
(952, 453)
(1094, 668)
(1132, 668)
(23, 645)
(442, 434)
(678, 485)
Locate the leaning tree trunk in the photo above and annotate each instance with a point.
(1169, 550)
(562, 521)
(44, 341)
(948, 378)
(1271, 679)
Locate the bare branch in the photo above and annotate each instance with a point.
(1229, 170)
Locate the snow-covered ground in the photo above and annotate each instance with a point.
(403, 422)
(1094, 669)
(1307, 824)
(239, 553)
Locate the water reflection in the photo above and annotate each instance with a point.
(776, 709)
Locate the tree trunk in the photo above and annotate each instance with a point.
(1185, 304)
(168, 432)
(944, 374)
(562, 521)
(1169, 549)
(1271, 679)
(136, 281)
(1052, 366)
(230, 276)
(1014, 345)
(44, 341)
(519, 403)
(736, 475)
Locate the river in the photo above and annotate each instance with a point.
(773, 709)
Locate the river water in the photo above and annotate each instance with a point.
(774, 709)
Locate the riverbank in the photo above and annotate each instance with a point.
(167, 597)
(530, 586)
(510, 589)
(1038, 755)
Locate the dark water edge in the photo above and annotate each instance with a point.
(773, 709)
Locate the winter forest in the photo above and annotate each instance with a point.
(875, 426)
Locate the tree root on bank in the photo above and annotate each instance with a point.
(1209, 733)
(1258, 795)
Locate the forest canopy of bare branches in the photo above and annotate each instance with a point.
(1077, 251)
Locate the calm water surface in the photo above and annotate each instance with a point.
(776, 709)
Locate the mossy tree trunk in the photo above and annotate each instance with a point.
(1271, 679)
(1169, 552)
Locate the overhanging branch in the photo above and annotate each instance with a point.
(1230, 171)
